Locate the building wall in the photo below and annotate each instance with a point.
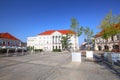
(8, 43)
(56, 40)
(50, 42)
(99, 42)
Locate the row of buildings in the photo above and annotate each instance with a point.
(51, 39)
(46, 41)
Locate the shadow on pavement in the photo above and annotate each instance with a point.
(107, 66)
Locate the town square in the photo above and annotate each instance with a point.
(59, 40)
(53, 66)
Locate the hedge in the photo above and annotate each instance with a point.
(56, 50)
(40, 50)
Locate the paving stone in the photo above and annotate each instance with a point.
(52, 66)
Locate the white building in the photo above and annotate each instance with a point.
(51, 39)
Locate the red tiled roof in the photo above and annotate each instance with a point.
(117, 26)
(61, 31)
(8, 36)
(99, 34)
(66, 31)
(47, 32)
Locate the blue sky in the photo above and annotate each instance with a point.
(25, 18)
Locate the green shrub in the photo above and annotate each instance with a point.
(38, 50)
(56, 50)
(3, 50)
(19, 50)
(106, 50)
(11, 50)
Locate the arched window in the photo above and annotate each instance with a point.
(99, 48)
(0, 43)
(8, 43)
(3, 43)
(115, 46)
(106, 47)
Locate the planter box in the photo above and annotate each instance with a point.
(76, 57)
(109, 57)
(89, 55)
(112, 57)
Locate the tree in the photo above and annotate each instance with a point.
(108, 26)
(65, 42)
(107, 21)
(89, 33)
(113, 31)
(116, 19)
(105, 35)
(76, 28)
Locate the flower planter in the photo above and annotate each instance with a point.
(112, 57)
(109, 57)
(89, 55)
(76, 57)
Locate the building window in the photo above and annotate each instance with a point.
(115, 47)
(3, 43)
(0, 43)
(53, 39)
(59, 47)
(8, 43)
(106, 47)
(59, 36)
(11, 43)
(118, 37)
(112, 38)
(99, 48)
(56, 47)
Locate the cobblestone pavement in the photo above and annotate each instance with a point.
(52, 66)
